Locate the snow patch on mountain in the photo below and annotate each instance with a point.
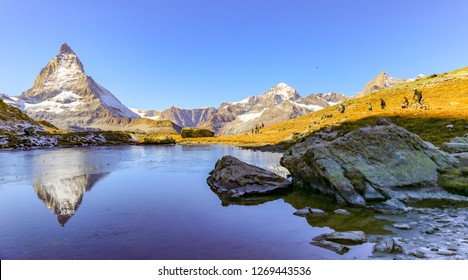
(251, 116)
(65, 101)
(312, 108)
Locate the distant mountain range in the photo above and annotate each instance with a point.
(280, 103)
(65, 96)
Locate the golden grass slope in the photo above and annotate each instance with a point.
(446, 94)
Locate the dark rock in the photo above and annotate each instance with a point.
(371, 163)
(307, 211)
(194, 132)
(235, 178)
(344, 237)
(391, 206)
(332, 246)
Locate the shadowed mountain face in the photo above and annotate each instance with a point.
(63, 196)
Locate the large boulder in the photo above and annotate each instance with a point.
(235, 178)
(194, 132)
(373, 163)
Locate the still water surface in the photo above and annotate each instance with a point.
(144, 203)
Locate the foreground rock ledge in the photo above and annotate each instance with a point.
(373, 163)
(235, 178)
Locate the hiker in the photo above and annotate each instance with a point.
(370, 106)
(382, 104)
(417, 95)
(405, 103)
(341, 108)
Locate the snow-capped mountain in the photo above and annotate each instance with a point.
(383, 80)
(280, 103)
(65, 96)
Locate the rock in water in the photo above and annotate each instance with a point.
(344, 237)
(332, 246)
(307, 211)
(371, 163)
(387, 245)
(236, 178)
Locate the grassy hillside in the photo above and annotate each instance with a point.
(446, 94)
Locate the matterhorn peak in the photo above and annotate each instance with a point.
(65, 48)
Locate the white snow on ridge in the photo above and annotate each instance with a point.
(309, 107)
(65, 101)
(249, 117)
(144, 114)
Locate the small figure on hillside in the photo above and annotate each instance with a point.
(405, 103)
(417, 95)
(253, 130)
(263, 125)
(382, 103)
(341, 108)
(370, 106)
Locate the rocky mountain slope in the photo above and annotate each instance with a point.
(280, 103)
(383, 80)
(65, 96)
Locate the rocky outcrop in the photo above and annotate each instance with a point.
(457, 145)
(370, 164)
(193, 132)
(383, 80)
(234, 178)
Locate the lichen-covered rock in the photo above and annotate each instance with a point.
(370, 164)
(235, 178)
(194, 132)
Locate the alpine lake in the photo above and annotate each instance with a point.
(153, 202)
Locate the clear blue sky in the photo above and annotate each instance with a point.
(155, 54)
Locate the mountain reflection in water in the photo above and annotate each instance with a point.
(63, 196)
